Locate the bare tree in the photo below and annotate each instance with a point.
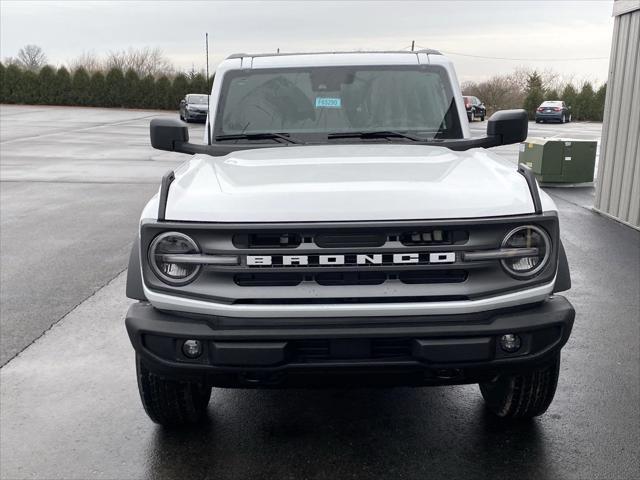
(499, 92)
(144, 61)
(11, 61)
(32, 57)
(87, 60)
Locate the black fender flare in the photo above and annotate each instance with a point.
(134, 274)
(563, 277)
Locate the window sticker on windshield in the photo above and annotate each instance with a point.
(326, 102)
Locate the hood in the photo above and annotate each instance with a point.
(346, 183)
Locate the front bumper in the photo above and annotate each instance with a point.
(412, 350)
(194, 115)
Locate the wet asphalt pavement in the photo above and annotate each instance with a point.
(73, 184)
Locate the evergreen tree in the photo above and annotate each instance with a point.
(534, 94)
(163, 94)
(10, 85)
(114, 86)
(63, 93)
(46, 85)
(147, 95)
(198, 84)
(585, 108)
(598, 103)
(81, 87)
(27, 91)
(180, 88)
(569, 96)
(551, 95)
(98, 89)
(3, 90)
(132, 90)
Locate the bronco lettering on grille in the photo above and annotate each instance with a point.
(350, 259)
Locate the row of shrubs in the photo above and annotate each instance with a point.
(115, 88)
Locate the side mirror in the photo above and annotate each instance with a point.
(508, 126)
(168, 134)
(183, 102)
(172, 135)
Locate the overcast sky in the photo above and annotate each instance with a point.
(571, 37)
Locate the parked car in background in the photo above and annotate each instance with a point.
(475, 108)
(193, 107)
(553, 110)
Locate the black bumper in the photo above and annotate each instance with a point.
(402, 350)
(549, 116)
(195, 115)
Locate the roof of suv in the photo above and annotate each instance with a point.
(273, 54)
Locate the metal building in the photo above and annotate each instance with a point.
(618, 182)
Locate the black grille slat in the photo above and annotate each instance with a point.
(346, 240)
(268, 279)
(350, 278)
(268, 240)
(292, 279)
(432, 276)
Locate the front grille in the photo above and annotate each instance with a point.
(291, 279)
(379, 262)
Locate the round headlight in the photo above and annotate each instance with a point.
(169, 244)
(527, 236)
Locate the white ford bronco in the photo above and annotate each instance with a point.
(341, 227)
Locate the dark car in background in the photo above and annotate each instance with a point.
(194, 107)
(475, 108)
(555, 110)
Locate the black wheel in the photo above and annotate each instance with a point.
(522, 395)
(171, 403)
(537, 120)
(482, 118)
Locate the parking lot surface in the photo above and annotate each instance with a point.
(73, 183)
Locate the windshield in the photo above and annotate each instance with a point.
(197, 99)
(319, 101)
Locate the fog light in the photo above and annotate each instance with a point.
(192, 348)
(510, 343)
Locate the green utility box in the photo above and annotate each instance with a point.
(559, 160)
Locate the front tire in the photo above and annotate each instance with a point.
(522, 395)
(171, 403)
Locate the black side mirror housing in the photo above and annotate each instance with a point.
(508, 126)
(168, 133)
(172, 135)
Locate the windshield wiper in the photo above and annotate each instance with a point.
(281, 137)
(375, 134)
